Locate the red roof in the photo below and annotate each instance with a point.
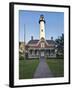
(39, 46)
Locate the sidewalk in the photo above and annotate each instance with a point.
(42, 70)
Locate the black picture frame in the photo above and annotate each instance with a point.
(11, 42)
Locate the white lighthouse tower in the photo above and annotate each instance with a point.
(42, 26)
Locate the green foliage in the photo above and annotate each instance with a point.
(21, 57)
(57, 57)
(60, 56)
(60, 45)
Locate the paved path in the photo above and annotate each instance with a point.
(42, 70)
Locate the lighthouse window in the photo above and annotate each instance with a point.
(42, 30)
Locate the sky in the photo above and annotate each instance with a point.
(29, 24)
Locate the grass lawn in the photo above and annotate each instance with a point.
(56, 66)
(27, 68)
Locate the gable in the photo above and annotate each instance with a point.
(37, 43)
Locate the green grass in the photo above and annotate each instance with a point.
(27, 68)
(56, 66)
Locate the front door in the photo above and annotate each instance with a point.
(42, 53)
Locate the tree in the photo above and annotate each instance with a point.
(60, 45)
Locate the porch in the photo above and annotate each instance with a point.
(37, 53)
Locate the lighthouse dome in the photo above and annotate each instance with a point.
(41, 18)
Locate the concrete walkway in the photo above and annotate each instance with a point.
(42, 70)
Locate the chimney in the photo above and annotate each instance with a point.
(31, 37)
(51, 38)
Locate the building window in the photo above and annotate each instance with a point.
(41, 30)
(42, 45)
(42, 39)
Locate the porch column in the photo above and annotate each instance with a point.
(49, 52)
(52, 52)
(33, 52)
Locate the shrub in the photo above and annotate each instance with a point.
(21, 57)
(60, 56)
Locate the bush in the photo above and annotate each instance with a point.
(21, 57)
(60, 56)
(57, 57)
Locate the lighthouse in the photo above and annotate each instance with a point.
(42, 26)
(42, 47)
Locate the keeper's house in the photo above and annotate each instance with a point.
(42, 47)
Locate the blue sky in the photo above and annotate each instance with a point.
(30, 20)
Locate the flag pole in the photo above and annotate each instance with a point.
(24, 41)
